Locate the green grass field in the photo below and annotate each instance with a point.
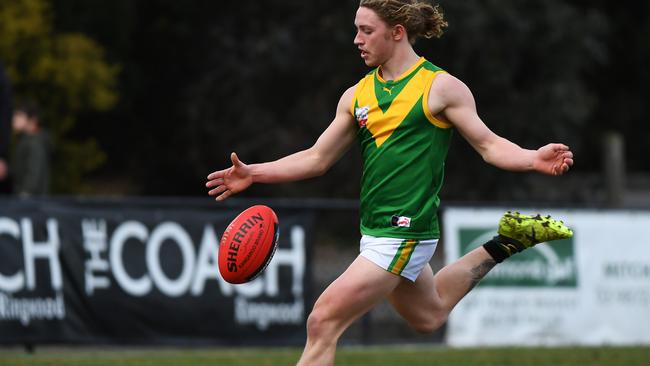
(411, 356)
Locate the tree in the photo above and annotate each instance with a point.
(66, 74)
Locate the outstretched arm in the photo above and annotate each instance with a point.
(312, 162)
(454, 102)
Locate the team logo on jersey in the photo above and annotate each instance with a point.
(400, 221)
(361, 113)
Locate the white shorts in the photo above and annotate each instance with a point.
(403, 257)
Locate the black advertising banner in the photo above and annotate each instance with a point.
(143, 272)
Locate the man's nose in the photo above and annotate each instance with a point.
(357, 39)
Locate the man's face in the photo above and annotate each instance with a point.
(374, 37)
(22, 123)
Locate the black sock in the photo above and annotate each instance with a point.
(497, 251)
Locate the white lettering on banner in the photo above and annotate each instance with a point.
(205, 268)
(197, 269)
(264, 314)
(48, 250)
(16, 281)
(27, 309)
(294, 257)
(127, 230)
(95, 243)
(105, 256)
(207, 264)
(172, 232)
(268, 283)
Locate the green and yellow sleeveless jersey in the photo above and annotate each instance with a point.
(404, 149)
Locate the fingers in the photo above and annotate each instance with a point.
(560, 147)
(556, 170)
(563, 167)
(220, 173)
(214, 182)
(217, 174)
(568, 162)
(225, 195)
(564, 157)
(217, 180)
(567, 155)
(221, 191)
(218, 190)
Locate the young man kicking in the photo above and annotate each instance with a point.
(402, 115)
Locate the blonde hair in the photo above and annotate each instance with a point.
(420, 18)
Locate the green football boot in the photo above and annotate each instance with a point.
(518, 232)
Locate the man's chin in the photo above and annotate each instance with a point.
(370, 63)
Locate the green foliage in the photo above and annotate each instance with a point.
(66, 73)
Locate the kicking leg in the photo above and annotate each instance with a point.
(351, 295)
(427, 302)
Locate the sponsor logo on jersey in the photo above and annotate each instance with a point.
(361, 113)
(400, 221)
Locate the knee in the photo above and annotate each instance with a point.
(320, 325)
(430, 323)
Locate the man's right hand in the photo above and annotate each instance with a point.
(225, 183)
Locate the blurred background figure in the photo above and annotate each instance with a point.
(5, 130)
(30, 165)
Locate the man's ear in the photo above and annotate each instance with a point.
(398, 32)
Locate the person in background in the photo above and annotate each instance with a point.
(30, 165)
(5, 130)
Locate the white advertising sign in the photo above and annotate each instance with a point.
(592, 289)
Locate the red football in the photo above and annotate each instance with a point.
(248, 244)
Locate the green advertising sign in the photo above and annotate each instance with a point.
(544, 265)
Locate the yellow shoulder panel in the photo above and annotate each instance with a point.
(425, 105)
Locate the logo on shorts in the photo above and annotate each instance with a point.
(400, 221)
(361, 113)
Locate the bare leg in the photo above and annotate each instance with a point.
(427, 302)
(455, 280)
(351, 295)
